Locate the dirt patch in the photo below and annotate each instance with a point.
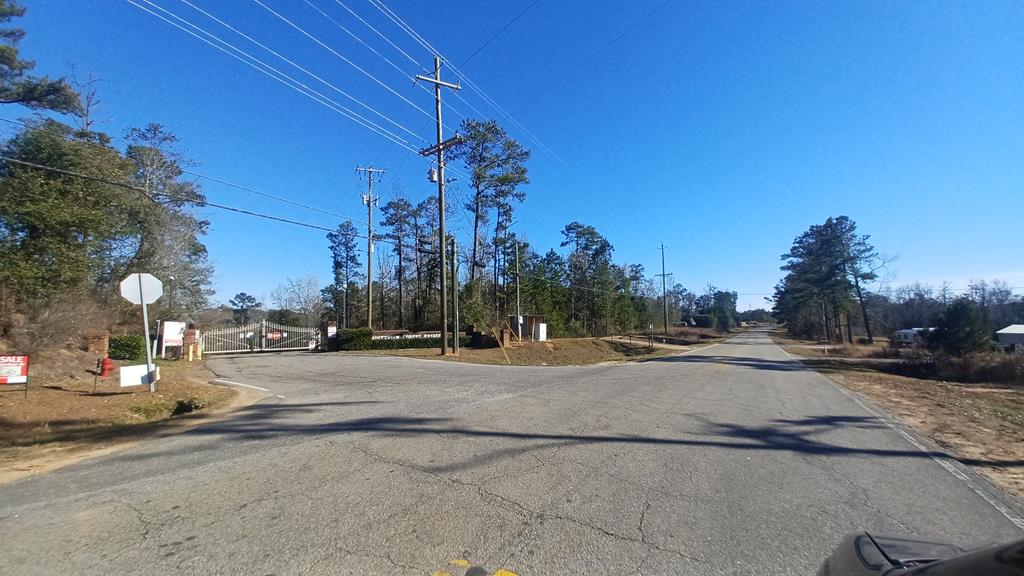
(63, 418)
(560, 352)
(982, 425)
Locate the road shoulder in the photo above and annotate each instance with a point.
(21, 458)
(944, 418)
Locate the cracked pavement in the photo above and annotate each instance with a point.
(729, 460)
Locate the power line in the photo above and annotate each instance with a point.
(592, 56)
(343, 58)
(72, 138)
(147, 194)
(382, 35)
(498, 33)
(370, 48)
(277, 75)
(201, 202)
(394, 17)
(297, 66)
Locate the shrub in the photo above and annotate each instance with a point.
(355, 339)
(403, 343)
(997, 368)
(960, 329)
(970, 368)
(127, 347)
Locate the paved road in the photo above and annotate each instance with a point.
(729, 460)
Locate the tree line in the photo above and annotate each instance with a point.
(580, 290)
(65, 240)
(832, 291)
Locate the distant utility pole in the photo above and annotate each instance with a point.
(438, 149)
(455, 297)
(664, 292)
(370, 202)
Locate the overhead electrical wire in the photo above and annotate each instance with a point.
(295, 65)
(276, 74)
(382, 35)
(498, 33)
(342, 57)
(394, 17)
(374, 50)
(72, 138)
(149, 195)
(595, 54)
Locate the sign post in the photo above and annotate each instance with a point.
(144, 289)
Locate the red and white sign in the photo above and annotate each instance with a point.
(13, 369)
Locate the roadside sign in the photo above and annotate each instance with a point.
(138, 375)
(144, 289)
(14, 369)
(141, 288)
(173, 335)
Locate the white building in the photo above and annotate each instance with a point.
(1012, 335)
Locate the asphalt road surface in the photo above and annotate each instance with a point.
(732, 459)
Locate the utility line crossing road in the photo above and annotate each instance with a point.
(733, 459)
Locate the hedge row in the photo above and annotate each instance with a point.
(127, 347)
(403, 343)
(355, 338)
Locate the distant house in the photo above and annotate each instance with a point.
(1012, 336)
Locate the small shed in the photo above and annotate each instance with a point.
(1012, 336)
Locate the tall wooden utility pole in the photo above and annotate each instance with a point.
(664, 292)
(370, 202)
(438, 149)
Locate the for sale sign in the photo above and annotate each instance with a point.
(13, 369)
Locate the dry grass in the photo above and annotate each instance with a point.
(62, 415)
(559, 352)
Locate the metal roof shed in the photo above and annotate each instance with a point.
(1012, 334)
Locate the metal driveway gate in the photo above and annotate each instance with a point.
(259, 337)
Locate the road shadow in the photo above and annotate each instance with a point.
(745, 361)
(263, 422)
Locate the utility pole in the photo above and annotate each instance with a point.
(438, 149)
(519, 314)
(370, 202)
(455, 297)
(664, 292)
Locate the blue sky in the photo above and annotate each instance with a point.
(722, 129)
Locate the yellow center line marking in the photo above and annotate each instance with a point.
(503, 572)
(461, 563)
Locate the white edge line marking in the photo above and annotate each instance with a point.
(948, 466)
(220, 381)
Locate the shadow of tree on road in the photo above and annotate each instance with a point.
(262, 422)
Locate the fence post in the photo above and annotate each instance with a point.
(263, 334)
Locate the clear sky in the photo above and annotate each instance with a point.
(722, 130)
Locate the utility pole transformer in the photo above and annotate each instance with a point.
(438, 149)
(370, 202)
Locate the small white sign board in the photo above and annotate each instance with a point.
(174, 333)
(137, 375)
